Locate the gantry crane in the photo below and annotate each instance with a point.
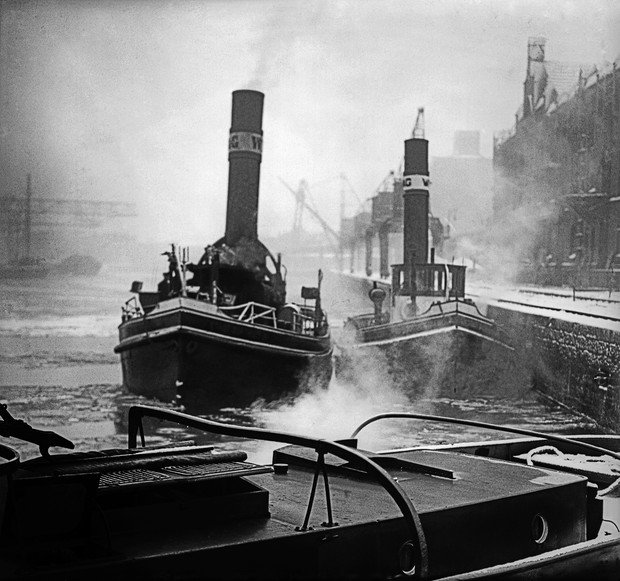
(20, 215)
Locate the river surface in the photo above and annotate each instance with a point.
(58, 372)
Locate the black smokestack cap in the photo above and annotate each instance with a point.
(245, 147)
(416, 157)
(416, 202)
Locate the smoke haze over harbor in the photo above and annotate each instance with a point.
(131, 100)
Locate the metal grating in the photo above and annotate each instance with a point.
(178, 472)
(138, 475)
(207, 469)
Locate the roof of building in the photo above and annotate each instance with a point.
(562, 79)
(555, 82)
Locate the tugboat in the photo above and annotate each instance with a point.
(431, 337)
(536, 507)
(221, 331)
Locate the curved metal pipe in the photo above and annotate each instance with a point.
(463, 422)
(381, 476)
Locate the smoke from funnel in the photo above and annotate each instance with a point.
(245, 148)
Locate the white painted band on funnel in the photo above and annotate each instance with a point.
(245, 141)
(416, 182)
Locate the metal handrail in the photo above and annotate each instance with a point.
(302, 321)
(131, 309)
(486, 425)
(254, 313)
(380, 475)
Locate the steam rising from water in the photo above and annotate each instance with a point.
(332, 413)
(367, 390)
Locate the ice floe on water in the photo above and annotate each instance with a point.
(70, 326)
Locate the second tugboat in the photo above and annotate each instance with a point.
(432, 340)
(220, 331)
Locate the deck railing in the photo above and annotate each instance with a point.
(131, 309)
(599, 450)
(251, 313)
(302, 319)
(299, 318)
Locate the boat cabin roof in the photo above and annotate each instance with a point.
(436, 479)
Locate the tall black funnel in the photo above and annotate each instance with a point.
(245, 147)
(416, 194)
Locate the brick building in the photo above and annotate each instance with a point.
(558, 171)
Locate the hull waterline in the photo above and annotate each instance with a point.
(443, 354)
(191, 352)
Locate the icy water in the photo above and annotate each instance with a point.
(58, 372)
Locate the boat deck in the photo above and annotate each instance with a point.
(458, 480)
(169, 510)
(184, 505)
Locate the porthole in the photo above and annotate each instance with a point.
(406, 558)
(540, 529)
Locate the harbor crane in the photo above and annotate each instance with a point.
(418, 128)
(19, 216)
(302, 204)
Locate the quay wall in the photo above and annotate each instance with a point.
(574, 363)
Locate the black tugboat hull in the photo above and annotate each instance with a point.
(193, 352)
(446, 355)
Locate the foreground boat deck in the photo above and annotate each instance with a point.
(321, 510)
(171, 511)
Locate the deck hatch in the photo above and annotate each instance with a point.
(175, 473)
(130, 477)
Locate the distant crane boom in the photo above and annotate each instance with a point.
(302, 200)
(82, 212)
(418, 128)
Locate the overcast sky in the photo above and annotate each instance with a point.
(130, 100)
